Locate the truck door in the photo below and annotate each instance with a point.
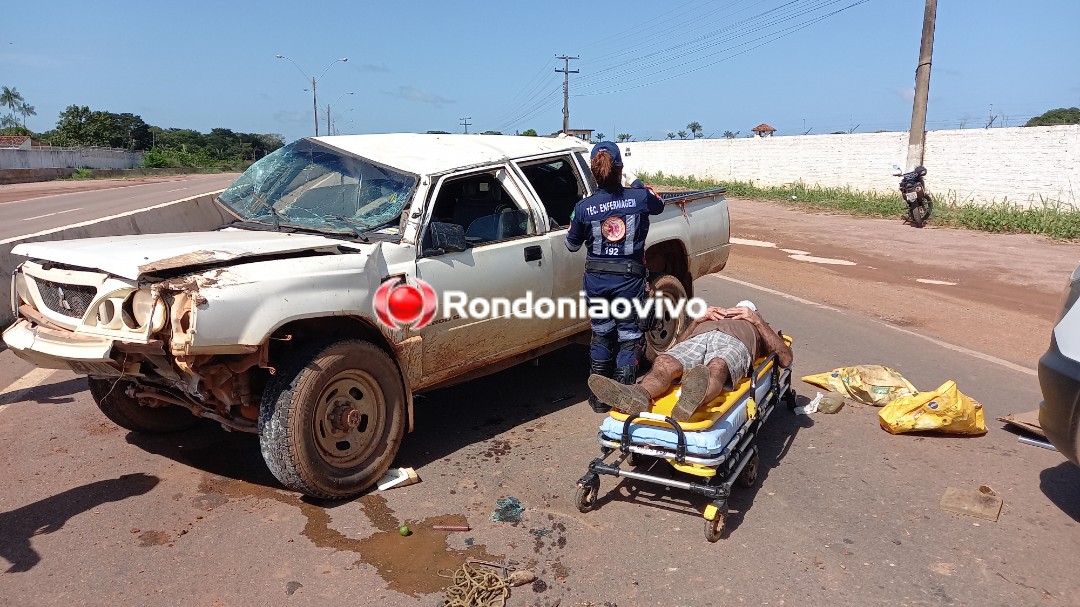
(507, 257)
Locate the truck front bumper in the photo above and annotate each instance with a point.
(55, 349)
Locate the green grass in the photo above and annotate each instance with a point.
(82, 173)
(1046, 217)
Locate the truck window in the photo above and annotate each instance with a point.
(558, 186)
(483, 208)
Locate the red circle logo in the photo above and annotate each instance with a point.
(399, 302)
(405, 303)
(613, 229)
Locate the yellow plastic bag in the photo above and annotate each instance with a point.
(871, 384)
(946, 410)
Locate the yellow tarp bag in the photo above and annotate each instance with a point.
(946, 410)
(870, 384)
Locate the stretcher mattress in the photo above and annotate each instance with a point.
(710, 442)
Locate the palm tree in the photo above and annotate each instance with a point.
(26, 110)
(671, 135)
(623, 137)
(11, 98)
(695, 128)
(598, 137)
(682, 134)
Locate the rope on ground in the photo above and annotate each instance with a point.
(475, 587)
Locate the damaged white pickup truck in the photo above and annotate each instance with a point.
(270, 325)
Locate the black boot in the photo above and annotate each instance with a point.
(603, 368)
(626, 375)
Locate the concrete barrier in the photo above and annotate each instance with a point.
(194, 214)
(33, 175)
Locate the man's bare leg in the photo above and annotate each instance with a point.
(638, 397)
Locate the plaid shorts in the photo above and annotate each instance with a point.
(702, 349)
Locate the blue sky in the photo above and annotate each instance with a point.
(422, 66)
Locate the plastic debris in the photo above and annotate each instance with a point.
(946, 410)
(871, 384)
(507, 510)
(810, 407)
(831, 403)
(398, 477)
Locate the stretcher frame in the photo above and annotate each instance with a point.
(737, 462)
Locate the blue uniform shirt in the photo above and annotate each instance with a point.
(613, 225)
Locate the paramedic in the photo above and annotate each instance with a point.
(714, 353)
(613, 224)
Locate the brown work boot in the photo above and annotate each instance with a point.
(695, 383)
(630, 399)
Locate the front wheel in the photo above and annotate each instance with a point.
(114, 398)
(664, 328)
(333, 418)
(921, 212)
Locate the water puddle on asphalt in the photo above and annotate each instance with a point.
(409, 564)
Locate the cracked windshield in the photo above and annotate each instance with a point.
(309, 186)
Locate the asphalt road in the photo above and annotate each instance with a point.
(29, 216)
(843, 513)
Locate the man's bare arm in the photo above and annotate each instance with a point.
(712, 313)
(773, 341)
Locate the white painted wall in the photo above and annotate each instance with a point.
(69, 158)
(973, 165)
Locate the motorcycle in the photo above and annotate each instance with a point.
(918, 199)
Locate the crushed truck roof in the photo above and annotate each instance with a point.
(424, 154)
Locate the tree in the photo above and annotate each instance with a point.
(491, 133)
(730, 135)
(529, 133)
(13, 100)
(695, 128)
(438, 132)
(1060, 115)
(670, 135)
(26, 110)
(623, 137)
(682, 134)
(598, 137)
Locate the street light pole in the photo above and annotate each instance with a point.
(314, 82)
(328, 111)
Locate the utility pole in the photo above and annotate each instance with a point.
(465, 122)
(328, 119)
(566, 71)
(917, 134)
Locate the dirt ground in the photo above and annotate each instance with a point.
(26, 191)
(995, 293)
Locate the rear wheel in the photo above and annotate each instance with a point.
(126, 411)
(714, 529)
(332, 420)
(665, 327)
(921, 212)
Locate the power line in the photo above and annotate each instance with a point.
(465, 123)
(566, 71)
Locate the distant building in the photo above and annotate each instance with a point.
(15, 141)
(583, 134)
(763, 130)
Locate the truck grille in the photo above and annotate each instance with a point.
(69, 300)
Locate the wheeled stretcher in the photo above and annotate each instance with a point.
(712, 450)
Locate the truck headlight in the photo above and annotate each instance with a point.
(142, 308)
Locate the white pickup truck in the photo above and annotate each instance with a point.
(270, 324)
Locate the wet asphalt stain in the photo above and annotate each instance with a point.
(409, 564)
(153, 538)
(292, 587)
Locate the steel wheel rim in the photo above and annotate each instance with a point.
(348, 418)
(665, 327)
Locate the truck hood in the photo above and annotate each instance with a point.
(132, 256)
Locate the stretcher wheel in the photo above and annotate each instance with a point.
(789, 398)
(586, 495)
(714, 528)
(748, 476)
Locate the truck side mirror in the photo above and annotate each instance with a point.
(445, 238)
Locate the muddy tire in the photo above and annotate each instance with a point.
(111, 396)
(332, 419)
(714, 529)
(665, 328)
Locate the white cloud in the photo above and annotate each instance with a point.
(411, 93)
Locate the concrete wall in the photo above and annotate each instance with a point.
(198, 213)
(977, 165)
(69, 158)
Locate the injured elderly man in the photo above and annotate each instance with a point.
(713, 354)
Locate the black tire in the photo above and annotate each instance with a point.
(586, 496)
(920, 213)
(111, 396)
(714, 529)
(749, 473)
(791, 399)
(332, 419)
(665, 329)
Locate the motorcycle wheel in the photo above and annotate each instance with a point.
(921, 212)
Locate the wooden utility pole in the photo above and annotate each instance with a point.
(566, 71)
(465, 122)
(917, 134)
